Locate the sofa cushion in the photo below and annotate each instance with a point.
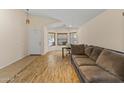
(77, 49)
(79, 56)
(88, 50)
(119, 69)
(113, 62)
(97, 75)
(95, 53)
(84, 61)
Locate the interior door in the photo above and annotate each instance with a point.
(35, 41)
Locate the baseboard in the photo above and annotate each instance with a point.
(35, 54)
(14, 61)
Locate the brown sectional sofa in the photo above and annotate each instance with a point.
(97, 65)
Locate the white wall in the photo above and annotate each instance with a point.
(36, 24)
(45, 40)
(40, 23)
(14, 44)
(13, 36)
(105, 30)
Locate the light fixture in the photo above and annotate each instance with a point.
(27, 19)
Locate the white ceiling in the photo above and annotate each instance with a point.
(69, 17)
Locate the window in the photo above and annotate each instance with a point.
(73, 38)
(62, 39)
(51, 39)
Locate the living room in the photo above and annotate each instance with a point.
(59, 46)
(33, 37)
(56, 46)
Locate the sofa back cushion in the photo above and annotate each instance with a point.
(77, 49)
(88, 50)
(96, 52)
(113, 62)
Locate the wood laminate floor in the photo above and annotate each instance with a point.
(50, 68)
